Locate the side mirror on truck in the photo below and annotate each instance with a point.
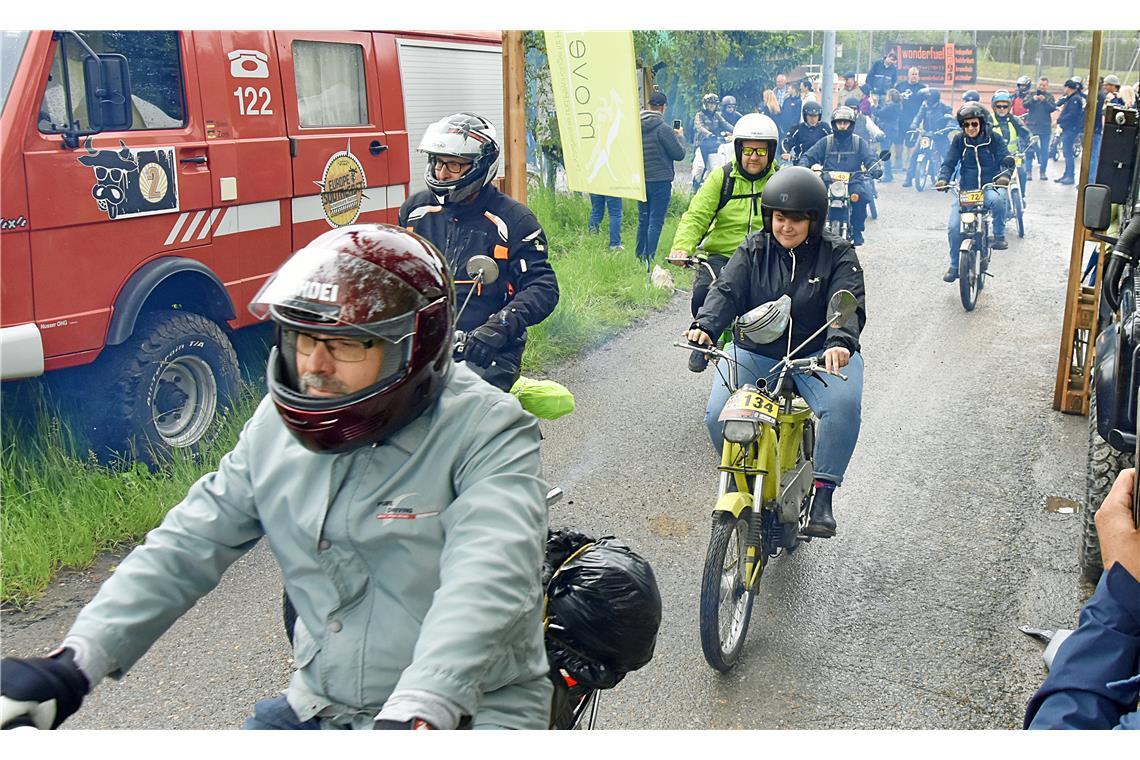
(107, 83)
(1097, 208)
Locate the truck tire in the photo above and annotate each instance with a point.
(1104, 464)
(167, 384)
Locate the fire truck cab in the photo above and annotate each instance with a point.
(136, 230)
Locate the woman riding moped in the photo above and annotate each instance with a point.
(794, 267)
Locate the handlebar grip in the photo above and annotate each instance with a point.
(698, 362)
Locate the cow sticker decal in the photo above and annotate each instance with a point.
(132, 182)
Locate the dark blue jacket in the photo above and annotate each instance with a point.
(790, 114)
(803, 136)
(1072, 116)
(1095, 679)
(980, 157)
(931, 117)
(1040, 116)
(848, 153)
(660, 147)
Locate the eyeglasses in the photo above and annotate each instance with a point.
(341, 349)
(455, 167)
(754, 152)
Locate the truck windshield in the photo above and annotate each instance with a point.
(11, 49)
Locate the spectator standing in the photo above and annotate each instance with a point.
(661, 146)
(888, 115)
(807, 91)
(850, 89)
(1039, 118)
(883, 74)
(599, 205)
(771, 108)
(790, 110)
(1071, 120)
(783, 92)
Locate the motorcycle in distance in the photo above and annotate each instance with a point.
(765, 487)
(1015, 190)
(1055, 146)
(928, 158)
(974, 224)
(839, 197)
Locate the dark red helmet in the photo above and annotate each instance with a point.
(371, 282)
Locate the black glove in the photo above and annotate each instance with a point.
(826, 177)
(488, 339)
(48, 690)
(876, 173)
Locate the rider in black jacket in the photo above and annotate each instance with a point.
(793, 256)
(463, 214)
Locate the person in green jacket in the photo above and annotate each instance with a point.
(726, 209)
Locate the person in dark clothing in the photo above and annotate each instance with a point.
(807, 133)
(1071, 120)
(1094, 681)
(932, 116)
(728, 110)
(709, 127)
(845, 151)
(979, 154)
(661, 146)
(1039, 119)
(883, 74)
(790, 112)
(888, 115)
(463, 215)
(795, 267)
(911, 102)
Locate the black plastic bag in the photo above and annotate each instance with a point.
(603, 608)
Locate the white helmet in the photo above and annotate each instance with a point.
(766, 322)
(755, 126)
(467, 136)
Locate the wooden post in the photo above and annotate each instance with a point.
(514, 115)
(1082, 303)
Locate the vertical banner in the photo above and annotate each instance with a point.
(594, 80)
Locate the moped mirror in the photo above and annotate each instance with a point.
(884, 155)
(842, 307)
(485, 266)
(1097, 207)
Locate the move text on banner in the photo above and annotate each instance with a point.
(592, 75)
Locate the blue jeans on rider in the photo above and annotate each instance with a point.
(859, 207)
(651, 217)
(277, 715)
(994, 203)
(838, 405)
(599, 204)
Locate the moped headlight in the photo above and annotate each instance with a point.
(741, 431)
(838, 189)
(969, 218)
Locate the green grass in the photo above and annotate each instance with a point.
(60, 511)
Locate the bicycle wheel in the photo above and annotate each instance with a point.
(726, 605)
(969, 278)
(1018, 212)
(920, 174)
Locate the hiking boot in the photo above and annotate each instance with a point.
(1065, 181)
(999, 244)
(951, 275)
(821, 523)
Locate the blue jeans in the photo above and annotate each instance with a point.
(839, 407)
(651, 217)
(994, 203)
(1069, 139)
(1041, 153)
(277, 715)
(1095, 155)
(598, 206)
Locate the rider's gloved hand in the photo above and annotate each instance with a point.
(940, 183)
(1003, 181)
(876, 173)
(826, 177)
(415, 724)
(46, 690)
(488, 339)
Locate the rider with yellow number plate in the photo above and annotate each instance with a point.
(795, 267)
(981, 155)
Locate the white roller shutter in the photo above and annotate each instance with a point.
(440, 79)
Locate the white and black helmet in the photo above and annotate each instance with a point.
(467, 136)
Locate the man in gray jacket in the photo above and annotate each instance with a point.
(400, 494)
(661, 146)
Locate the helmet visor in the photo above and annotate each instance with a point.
(335, 292)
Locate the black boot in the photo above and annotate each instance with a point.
(821, 524)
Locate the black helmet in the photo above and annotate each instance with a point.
(812, 108)
(843, 113)
(797, 189)
(973, 111)
(1076, 83)
(933, 95)
(728, 100)
(368, 282)
(852, 102)
(971, 96)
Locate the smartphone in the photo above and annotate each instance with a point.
(676, 123)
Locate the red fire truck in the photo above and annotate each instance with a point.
(134, 232)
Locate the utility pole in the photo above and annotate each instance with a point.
(827, 80)
(514, 114)
(858, 53)
(1040, 44)
(1021, 57)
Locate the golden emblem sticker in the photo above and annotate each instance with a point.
(152, 183)
(342, 189)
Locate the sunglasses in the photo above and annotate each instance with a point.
(974, 124)
(341, 349)
(1001, 106)
(102, 173)
(753, 151)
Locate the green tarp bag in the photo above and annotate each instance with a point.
(544, 399)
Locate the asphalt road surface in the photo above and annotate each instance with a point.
(907, 619)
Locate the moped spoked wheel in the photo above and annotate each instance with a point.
(726, 605)
(1015, 201)
(969, 278)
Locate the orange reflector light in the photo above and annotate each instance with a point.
(854, 197)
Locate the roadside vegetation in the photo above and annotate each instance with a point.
(60, 509)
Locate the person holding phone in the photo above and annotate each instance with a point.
(660, 148)
(1094, 682)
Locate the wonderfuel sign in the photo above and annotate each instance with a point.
(593, 77)
(949, 64)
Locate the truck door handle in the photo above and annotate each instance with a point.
(376, 148)
(193, 160)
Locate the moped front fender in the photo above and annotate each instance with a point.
(734, 503)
